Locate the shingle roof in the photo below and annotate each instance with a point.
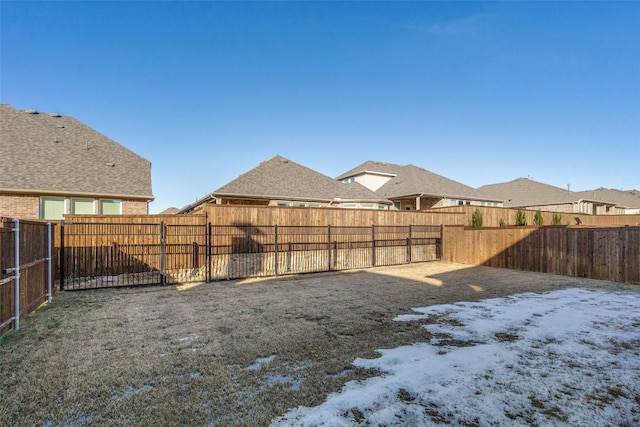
(53, 154)
(280, 178)
(522, 192)
(627, 199)
(410, 180)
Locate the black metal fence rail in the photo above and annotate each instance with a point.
(108, 255)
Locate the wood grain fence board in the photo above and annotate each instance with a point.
(598, 253)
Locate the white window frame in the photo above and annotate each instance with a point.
(101, 210)
(72, 207)
(52, 198)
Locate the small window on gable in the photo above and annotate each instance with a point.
(52, 207)
(110, 207)
(82, 206)
(349, 180)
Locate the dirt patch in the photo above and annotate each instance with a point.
(227, 353)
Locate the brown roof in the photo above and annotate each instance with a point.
(411, 180)
(523, 192)
(281, 178)
(627, 199)
(52, 154)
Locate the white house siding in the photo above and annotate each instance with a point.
(372, 181)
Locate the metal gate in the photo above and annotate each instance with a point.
(112, 254)
(104, 255)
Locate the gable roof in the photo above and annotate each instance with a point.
(52, 154)
(627, 199)
(411, 180)
(281, 178)
(523, 192)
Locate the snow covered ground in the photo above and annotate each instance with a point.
(569, 357)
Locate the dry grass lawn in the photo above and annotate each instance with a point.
(225, 353)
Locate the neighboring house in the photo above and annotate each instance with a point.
(281, 182)
(54, 165)
(413, 188)
(170, 211)
(528, 194)
(626, 202)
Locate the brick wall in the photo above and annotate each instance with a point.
(27, 206)
(135, 207)
(19, 206)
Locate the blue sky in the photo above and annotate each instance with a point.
(480, 92)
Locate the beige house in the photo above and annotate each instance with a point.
(413, 188)
(626, 202)
(282, 182)
(528, 194)
(55, 165)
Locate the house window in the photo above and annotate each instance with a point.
(349, 205)
(110, 207)
(349, 180)
(283, 204)
(460, 202)
(82, 206)
(454, 202)
(397, 205)
(52, 207)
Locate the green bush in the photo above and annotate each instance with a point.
(556, 219)
(476, 219)
(537, 219)
(502, 223)
(520, 218)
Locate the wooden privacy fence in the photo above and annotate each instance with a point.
(25, 269)
(596, 253)
(101, 254)
(491, 217)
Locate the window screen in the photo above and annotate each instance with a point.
(110, 207)
(82, 206)
(52, 207)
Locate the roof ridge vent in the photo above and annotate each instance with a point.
(31, 111)
(54, 115)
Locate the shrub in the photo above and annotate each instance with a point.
(520, 218)
(556, 219)
(537, 219)
(502, 223)
(476, 219)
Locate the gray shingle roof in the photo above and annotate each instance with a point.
(411, 180)
(627, 199)
(522, 192)
(280, 178)
(52, 154)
